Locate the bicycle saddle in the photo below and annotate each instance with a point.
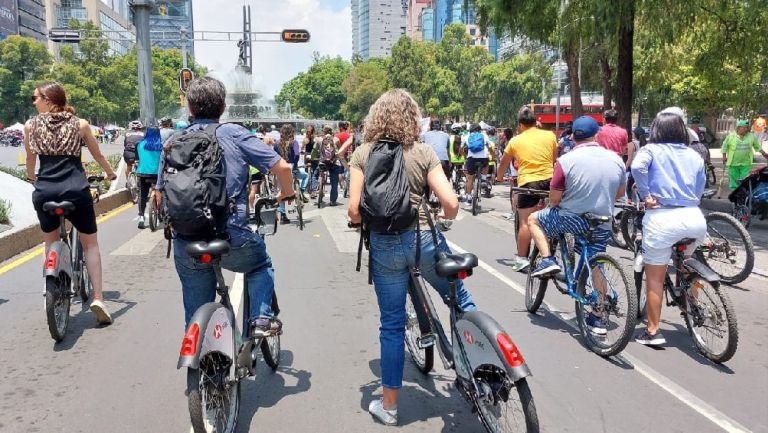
(708, 193)
(58, 207)
(92, 179)
(595, 220)
(451, 265)
(215, 248)
(682, 243)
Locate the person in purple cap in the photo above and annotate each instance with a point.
(589, 178)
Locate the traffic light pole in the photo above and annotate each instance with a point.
(141, 10)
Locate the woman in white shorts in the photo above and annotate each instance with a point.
(670, 180)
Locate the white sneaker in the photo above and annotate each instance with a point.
(387, 417)
(102, 314)
(520, 263)
(141, 222)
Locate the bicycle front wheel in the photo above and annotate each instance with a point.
(535, 287)
(641, 294)
(728, 249)
(213, 401)
(608, 316)
(629, 228)
(299, 204)
(415, 328)
(711, 320)
(270, 348)
(57, 302)
(616, 234)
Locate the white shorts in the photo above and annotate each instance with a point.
(662, 228)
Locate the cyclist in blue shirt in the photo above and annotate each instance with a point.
(148, 160)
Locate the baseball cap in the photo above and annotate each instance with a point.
(741, 123)
(585, 127)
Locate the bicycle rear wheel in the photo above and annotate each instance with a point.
(711, 320)
(616, 309)
(299, 204)
(416, 326)
(153, 217)
(476, 197)
(728, 249)
(133, 187)
(57, 302)
(213, 401)
(535, 287)
(506, 406)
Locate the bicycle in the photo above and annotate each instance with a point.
(217, 348)
(590, 284)
(94, 185)
(712, 313)
(322, 177)
(65, 272)
(157, 214)
(299, 206)
(490, 370)
(543, 201)
(132, 184)
(458, 178)
(476, 188)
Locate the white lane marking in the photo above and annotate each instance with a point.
(686, 397)
(345, 238)
(139, 245)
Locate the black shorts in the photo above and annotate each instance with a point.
(83, 218)
(257, 177)
(473, 164)
(527, 201)
(129, 157)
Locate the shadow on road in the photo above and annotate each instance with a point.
(269, 387)
(3, 301)
(682, 340)
(422, 397)
(83, 319)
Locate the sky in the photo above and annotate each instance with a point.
(328, 21)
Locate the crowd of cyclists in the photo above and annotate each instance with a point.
(586, 170)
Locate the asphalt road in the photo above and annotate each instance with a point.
(123, 378)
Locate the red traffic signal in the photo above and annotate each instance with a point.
(295, 36)
(185, 76)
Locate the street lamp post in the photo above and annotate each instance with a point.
(141, 10)
(559, 63)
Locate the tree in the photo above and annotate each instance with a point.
(23, 62)
(318, 92)
(510, 84)
(466, 61)
(365, 83)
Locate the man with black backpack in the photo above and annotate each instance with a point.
(133, 137)
(204, 183)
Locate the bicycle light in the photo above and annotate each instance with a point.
(59, 211)
(206, 258)
(50, 261)
(510, 350)
(189, 343)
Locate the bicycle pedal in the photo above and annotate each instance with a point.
(427, 341)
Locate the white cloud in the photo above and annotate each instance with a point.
(274, 63)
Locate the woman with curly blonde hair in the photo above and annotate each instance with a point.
(395, 118)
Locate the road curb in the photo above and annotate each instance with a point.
(20, 239)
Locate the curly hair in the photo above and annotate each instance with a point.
(287, 135)
(394, 115)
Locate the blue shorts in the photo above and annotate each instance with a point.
(555, 223)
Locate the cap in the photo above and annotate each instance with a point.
(639, 131)
(585, 127)
(741, 123)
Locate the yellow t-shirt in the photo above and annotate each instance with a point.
(535, 150)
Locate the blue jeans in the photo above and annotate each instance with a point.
(334, 171)
(198, 281)
(391, 258)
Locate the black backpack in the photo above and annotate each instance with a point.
(132, 140)
(195, 185)
(385, 204)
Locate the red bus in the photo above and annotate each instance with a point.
(545, 114)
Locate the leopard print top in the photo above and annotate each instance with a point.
(56, 134)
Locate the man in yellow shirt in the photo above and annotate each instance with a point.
(535, 150)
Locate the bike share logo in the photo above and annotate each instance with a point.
(469, 337)
(217, 330)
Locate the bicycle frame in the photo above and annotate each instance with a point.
(58, 256)
(572, 275)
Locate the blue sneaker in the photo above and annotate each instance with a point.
(596, 325)
(547, 266)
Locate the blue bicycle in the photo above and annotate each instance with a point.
(606, 305)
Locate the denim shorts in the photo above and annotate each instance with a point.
(555, 222)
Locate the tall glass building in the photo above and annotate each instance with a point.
(376, 26)
(170, 17)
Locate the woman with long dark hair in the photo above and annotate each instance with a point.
(148, 153)
(670, 179)
(56, 137)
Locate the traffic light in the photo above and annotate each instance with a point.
(185, 76)
(295, 36)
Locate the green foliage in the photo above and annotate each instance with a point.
(510, 84)
(23, 61)
(365, 83)
(20, 173)
(318, 92)
(5, 211)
